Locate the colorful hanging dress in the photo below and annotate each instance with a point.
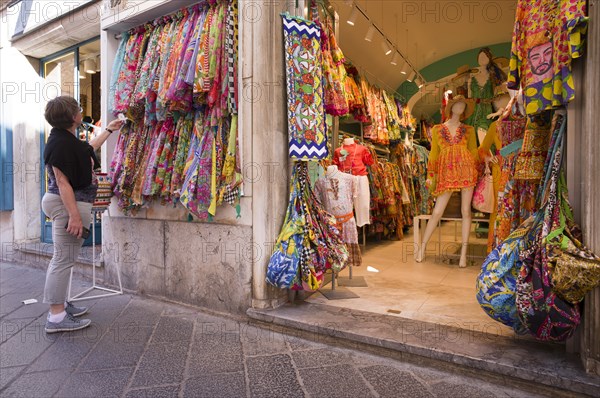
(547, 35)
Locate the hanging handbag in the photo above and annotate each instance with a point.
(104, 192)
(497, 282)
(576, 270)
(483, 195)
(542, 312)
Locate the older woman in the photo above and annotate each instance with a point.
(72, 187)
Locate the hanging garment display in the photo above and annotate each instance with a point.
(334, 73)
(517, 196)
(542, 312)
(547, 35)
(424, 200)
(304, 76)
(404, 154)
(385, 182)
(176, 83)
(309, 242)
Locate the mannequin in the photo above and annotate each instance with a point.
(492, 141)
(482, 87)
(452, 167)
(353, 159)
(337, 192)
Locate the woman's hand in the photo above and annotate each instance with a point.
(98, 140)
(75, 226)
(115, 125)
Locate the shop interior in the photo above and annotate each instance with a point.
(76, 72)
(417, 53)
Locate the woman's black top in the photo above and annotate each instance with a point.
(76, 159)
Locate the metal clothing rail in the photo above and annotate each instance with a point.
(95, 286)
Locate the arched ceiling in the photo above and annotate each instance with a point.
(425, 32)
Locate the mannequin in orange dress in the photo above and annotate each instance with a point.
(452, 167)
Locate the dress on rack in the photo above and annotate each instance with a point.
(452, 160)
(404, 158)
(337, 191)
(424, 200)
(511, 194)
(519, 200)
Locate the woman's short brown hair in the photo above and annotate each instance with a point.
(61, 111)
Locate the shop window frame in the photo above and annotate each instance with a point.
(46, 226)
(6, 168)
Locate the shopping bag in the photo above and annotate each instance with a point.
(497, 282)
(483, 195)
(575, 268)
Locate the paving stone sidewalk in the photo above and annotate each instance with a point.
(141, 347)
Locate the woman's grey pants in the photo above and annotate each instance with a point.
(66, 246)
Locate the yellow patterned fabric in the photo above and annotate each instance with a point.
(452, 160)
(547, 35)
(531, 158)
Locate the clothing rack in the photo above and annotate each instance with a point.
(110, 292)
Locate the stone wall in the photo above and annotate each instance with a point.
(207, 265)
(586, 150)
(22, 98)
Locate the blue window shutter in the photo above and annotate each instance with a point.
(7, 169)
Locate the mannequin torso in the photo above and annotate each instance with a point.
(352, 158)
(482, 76)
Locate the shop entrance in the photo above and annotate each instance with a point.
(419, 55)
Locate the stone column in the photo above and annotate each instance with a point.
(263, 110)
(586, 149)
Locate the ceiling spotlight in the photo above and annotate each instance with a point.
(412, 76)
(404, 68)
(386, 47)
(89, 66)
(81, 72)
(352, 18)
(395, 59)
(98, 63)
(419, 83)
(370, 33)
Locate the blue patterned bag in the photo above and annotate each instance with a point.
(497, 282)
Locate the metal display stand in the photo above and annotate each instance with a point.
(109, 292)
(352, 281)
(338, 293)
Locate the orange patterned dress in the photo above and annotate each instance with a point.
(452, 160)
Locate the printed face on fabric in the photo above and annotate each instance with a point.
(540, 58)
